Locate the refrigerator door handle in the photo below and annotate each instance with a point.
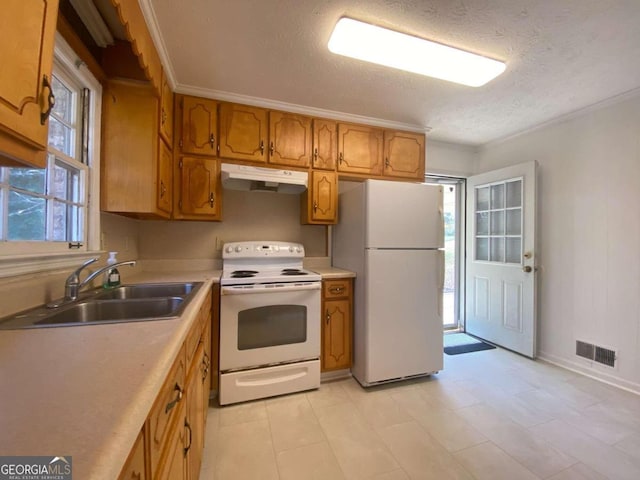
(440, 281)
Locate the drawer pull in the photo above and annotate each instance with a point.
(336, 290)
(175, 401)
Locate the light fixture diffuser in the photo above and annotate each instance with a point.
(370, 43)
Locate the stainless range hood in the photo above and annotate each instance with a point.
(243, 177)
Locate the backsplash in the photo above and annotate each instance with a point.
(246, 216)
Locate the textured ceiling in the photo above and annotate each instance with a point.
(561, 56)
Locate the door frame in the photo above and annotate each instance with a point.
(461, 247)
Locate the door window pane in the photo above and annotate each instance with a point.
(514, 194)
(482, 223)
(497, 196)
(513, 250)
(482, 198)
(497, 223)
(482, 249)
(514, 222)
(497, 249)
(272, 325)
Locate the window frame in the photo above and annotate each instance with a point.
(19, 258)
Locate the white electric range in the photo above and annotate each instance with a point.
(269, 321)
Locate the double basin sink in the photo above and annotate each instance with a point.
(128, 303)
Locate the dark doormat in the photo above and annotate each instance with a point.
(471, 347)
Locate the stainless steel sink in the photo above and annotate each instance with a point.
(114, 311)
(129, 303)
(150, 290)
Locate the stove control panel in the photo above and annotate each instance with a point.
(262, 249)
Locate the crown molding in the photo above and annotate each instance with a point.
(149, 15)
(295, 108)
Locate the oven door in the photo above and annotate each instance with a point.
(269, 324)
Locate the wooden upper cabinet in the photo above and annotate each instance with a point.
(325, 144)
(136, 164)
(165, 177)
(200, 197)
(289, 139)
(319, 204)
(166, 112)
(404, 154)
(359, 149)
(243, 132)
(28, 28)
(198, 126)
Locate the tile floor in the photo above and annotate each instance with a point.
(488, 415)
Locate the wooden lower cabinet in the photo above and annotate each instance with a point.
(337, 324)
(171, 441)
(136, 466)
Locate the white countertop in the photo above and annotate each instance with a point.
(86, 391)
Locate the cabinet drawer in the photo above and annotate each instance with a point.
(337, 288)
(165, 409)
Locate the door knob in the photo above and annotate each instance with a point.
(527, 269)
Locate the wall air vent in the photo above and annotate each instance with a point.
(595, 353)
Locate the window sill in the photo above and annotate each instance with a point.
(16, 265)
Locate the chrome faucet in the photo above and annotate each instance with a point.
(73, 285)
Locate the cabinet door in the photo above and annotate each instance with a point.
(289, 139)
(199, 187)
(325, 145)
(336, 334)
(135, 468)
(28, 28)
(169, 404)
(195, 414)
(165, 164)
(359, 149)
(166, 112)
(243, 132)
(324, 194)
(199, 126)
(404, 155)
(174, 464)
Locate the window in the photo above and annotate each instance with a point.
(47, 213)
(498, 222)
(50, 204)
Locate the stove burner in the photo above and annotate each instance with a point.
(293, 271)
(243, 273)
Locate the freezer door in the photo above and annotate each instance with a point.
(399, 330)
(403, 215)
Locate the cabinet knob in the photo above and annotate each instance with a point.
(315, 153)
(327, 316)
(335, 290)
(271, 148)
(175, 401)
(315, 207)
(163, 189)
(51, 100)
(211, 199)
(212, 140)
(187, 425)
(261, 147)
(163, 117)
(386, 163)
(341, 157)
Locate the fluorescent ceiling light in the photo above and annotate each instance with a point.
(367, 42)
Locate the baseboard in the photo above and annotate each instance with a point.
(335, 375)
(587, 372)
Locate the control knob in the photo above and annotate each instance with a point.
(229, 249)
(238, 249)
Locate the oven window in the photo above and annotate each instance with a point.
(272, 325)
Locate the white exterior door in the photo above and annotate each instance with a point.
(501, 253)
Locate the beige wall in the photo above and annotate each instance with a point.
(246, 216)
(450, 159)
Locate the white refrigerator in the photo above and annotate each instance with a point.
(391, 235)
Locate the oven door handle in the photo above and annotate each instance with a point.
(264, 289)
